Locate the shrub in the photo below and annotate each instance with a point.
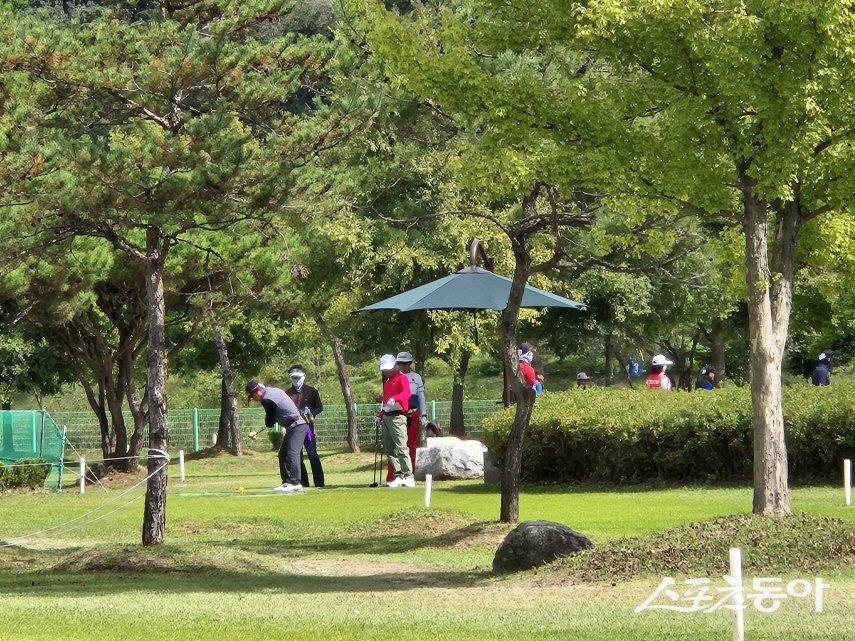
(631, 436)
(27, 475)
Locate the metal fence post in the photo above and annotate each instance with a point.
(433, 410)
(195, 429)
(42, 439)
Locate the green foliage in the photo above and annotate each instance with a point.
(32, 476)
(632, 436)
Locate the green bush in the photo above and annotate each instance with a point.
(29, 476)
(631, 436)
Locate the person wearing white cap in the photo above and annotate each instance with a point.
(658, 379)
(417, 413)
(582, 380)
(392, 420)
(821, 375)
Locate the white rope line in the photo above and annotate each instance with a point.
(6, 543)
(66, 464)
(70, 444)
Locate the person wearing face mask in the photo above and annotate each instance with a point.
(526, 356)
(308, 401)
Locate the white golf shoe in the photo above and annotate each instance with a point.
(288, 487)
(402, 481)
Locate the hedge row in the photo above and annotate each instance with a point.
(24, 473)
(632, 436)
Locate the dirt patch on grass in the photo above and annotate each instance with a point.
(800, 542)
(237, 527)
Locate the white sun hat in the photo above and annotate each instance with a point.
(387, 362)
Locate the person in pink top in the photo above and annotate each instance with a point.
(392, 421)
(658, 379)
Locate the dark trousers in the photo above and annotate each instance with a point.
(311, 447)
(289, 453)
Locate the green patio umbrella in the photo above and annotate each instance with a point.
(471, 289)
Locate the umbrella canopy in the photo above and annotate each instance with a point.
(471, 289)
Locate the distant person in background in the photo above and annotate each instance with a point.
(417, 414)
(308, 402)
(582, 380)
(539, 378)
(822, 372)
(706, 379)
(525, 353)
(658, 379)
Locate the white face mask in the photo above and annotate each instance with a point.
(297, 380)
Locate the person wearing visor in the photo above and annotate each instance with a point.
(658, 379)
(392, 421)
(280, 409)
(308, 402)
(417, 413)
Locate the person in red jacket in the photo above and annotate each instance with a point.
(658, 379)
(392, 421)
(526, 356)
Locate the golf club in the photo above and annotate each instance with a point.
(254, 434)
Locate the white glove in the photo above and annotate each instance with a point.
(423, 422)
(390, 401)
(377, 423)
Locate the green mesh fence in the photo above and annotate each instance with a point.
(196, 429)
(32, 434)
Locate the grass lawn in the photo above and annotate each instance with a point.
(353, 562)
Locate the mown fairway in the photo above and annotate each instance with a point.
(352, 562)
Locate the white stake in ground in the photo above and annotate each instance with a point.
(181, 463)
(428, 483)
(82, 475)
(847, 481)
(738, 597)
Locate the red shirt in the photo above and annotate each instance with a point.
(397, 387)
(528, 373)
(658, 381)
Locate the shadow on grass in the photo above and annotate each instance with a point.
(379, 543)
(484, 488)
(213, 580)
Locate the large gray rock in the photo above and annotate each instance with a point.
(534, 543)
(448, 457)
(492, 474)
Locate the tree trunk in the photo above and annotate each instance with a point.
(154, 519)
(228, 431)
(343, 379)
(457, 425)
(771, 491)
(717, 354)
(136, 441)
(510, 508)
(610, 358)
